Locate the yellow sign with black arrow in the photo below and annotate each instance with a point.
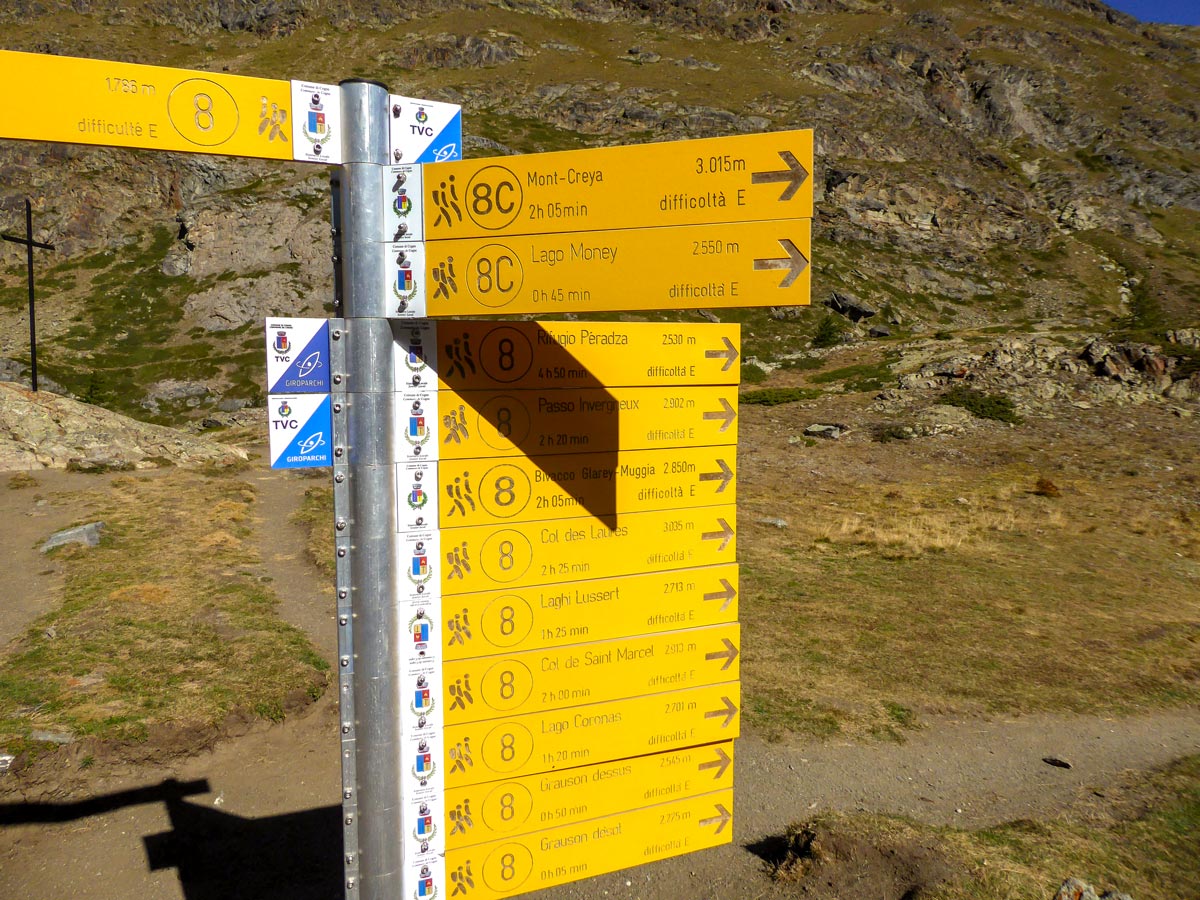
(743, 178)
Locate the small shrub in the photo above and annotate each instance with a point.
(1045, 488)
(981, 405)
(752, 374)
(892, 431)
(828, 333)
(19, 480)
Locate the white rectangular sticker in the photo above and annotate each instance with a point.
(301, 430)
(402, 218)
(424, 131)
(316, 122)
(404, 294)
(297, 356)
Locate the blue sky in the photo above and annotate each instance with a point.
(1177, 12)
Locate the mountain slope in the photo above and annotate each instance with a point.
(980, 165)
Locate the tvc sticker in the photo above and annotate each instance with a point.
(316, 122)
(425, 131)
(297, 356)
(301, 430)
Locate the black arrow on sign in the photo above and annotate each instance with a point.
(727, 713)
(729, 654)
(795, 175)
(727, 413)
(795, 262)
(729, 353)
(723, 818)
(727, 595)
(724, 476)
(725, 535)
(721, 763)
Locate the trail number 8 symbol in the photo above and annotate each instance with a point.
(506, 555)
(204, 112)
(508, 867)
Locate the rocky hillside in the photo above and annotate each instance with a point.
(983, 167)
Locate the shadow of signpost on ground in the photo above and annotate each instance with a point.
(223, 856)
(220, 855)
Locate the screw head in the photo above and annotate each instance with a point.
(340, 525)
(337, 407)
(339, 477)
(341, 552)
(343, 620)
(337, 451)
(337, 379)
(337, 334)
(345, 661)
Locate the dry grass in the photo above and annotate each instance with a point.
(962, 588)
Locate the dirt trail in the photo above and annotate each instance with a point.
(30, 515)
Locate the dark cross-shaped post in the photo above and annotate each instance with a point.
(30, 243)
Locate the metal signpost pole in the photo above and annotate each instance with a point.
(366, 532)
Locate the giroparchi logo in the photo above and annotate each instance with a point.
(309, 364)
(311, 443)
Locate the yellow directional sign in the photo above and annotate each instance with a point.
(531, 489)
(700, 266)
(477, 424)
(516, 806)
(91, 101)
(493, 686)
(743, 178)
(485, 557)
(508, 621)
(515, 865)
(563, 739)
(488, 354)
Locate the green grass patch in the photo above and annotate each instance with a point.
(981, 405)
(752, 374)
(802, 363)
(154, 630)
(777, 396)
(864, 377)
(315, 515)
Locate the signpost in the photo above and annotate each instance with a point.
(515, 806)
(746, 178)
(481, 355)
(515, 619)
(732, 265)
(535, 522)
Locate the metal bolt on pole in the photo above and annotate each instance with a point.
(366, 531)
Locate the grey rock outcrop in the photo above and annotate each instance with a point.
(43, 431)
